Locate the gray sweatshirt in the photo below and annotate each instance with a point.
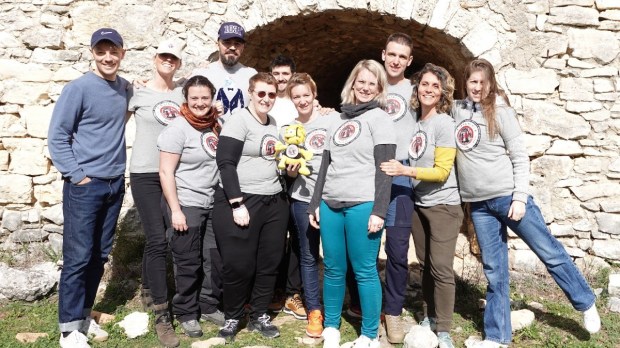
(490, 168)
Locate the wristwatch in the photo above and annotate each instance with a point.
(236, 205)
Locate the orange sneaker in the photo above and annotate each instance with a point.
(315, 324)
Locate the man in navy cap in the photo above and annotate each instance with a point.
(230, 78)
(87, 145)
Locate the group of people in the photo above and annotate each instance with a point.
(205, 182)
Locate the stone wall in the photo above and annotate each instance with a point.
(557, 59)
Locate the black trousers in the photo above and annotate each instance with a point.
(250, 255)
(289, 276)
(186, 249)
(147, 194)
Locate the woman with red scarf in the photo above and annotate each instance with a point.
(188, 174)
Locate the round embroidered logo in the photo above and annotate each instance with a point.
(268, 147)
(208, 140)
(418, 145)
(467, 135)
(166, 111)
(347, 133)
(315, 140)
(396, 106)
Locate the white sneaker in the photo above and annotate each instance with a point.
(75, 339)
(366, 342)
(591, 320)
(93, 331)
(331, 337)
(478, 343)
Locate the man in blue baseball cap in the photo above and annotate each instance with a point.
(87, 145)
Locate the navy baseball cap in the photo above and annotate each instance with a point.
(106, 34)
(231, 30)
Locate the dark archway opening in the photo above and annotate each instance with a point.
(327, 45)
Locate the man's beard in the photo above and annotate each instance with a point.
(230, 60)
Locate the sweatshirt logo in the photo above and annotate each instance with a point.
(418, 145)
(347, 133)
(209, 140)
(166, 111)
(467, 135)
(268, 147)
(315, 140)
(396, 106)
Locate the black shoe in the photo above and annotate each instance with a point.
(263, 325)
(229, 331)
(192, 328)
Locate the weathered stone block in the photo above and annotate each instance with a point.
(602, 72)
(537, 144)
(607, 249)
(579, 89)
(28, 163)
(522, 82)
(27, 236)
(54, 214)
(607, 4)
(10, 126)
(573, 15)
(542, 117)
(480, 39)
(24, 93)
(66, 73)
(552, 167)
(588, 192)
(37, 119)
(613, 287)
(561, 230)
(579, 107)
(588, 165)
(613, 15)
(15, 188)
(525, 261)
(608, 222)
(11, 220)
(597, 116)
(586, 3)
(49, 194)
(23, 144)
(590, 43)
(565, 148)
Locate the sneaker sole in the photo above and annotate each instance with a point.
(193, 335)
(313, 335)
(297, 316)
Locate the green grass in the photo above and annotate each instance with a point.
(556, 325)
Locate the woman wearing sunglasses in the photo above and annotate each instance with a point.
(251, 210)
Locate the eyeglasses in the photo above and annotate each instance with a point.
(262, 94)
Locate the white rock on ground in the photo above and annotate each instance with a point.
(614, 284)
(211, 342)
(420, 337)
(135, 324)
(614, 304)
(521, 319)
(28, 285)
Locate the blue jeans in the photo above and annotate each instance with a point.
(490, 218)
(91, 212)
(344, 231)
(309, 240)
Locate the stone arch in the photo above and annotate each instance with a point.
(328, 44)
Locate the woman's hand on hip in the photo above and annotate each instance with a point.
(178, 220)
(314, 218)
(375, 224)
(241, 216)
(517, 210)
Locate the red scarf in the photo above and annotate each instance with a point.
(204, 122)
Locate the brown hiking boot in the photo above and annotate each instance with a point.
(394, 328)
(295, 307)
(163, 326)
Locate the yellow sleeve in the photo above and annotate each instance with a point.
(444, 160)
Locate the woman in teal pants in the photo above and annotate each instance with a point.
(351, 199)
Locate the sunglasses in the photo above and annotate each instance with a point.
(262, 94)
